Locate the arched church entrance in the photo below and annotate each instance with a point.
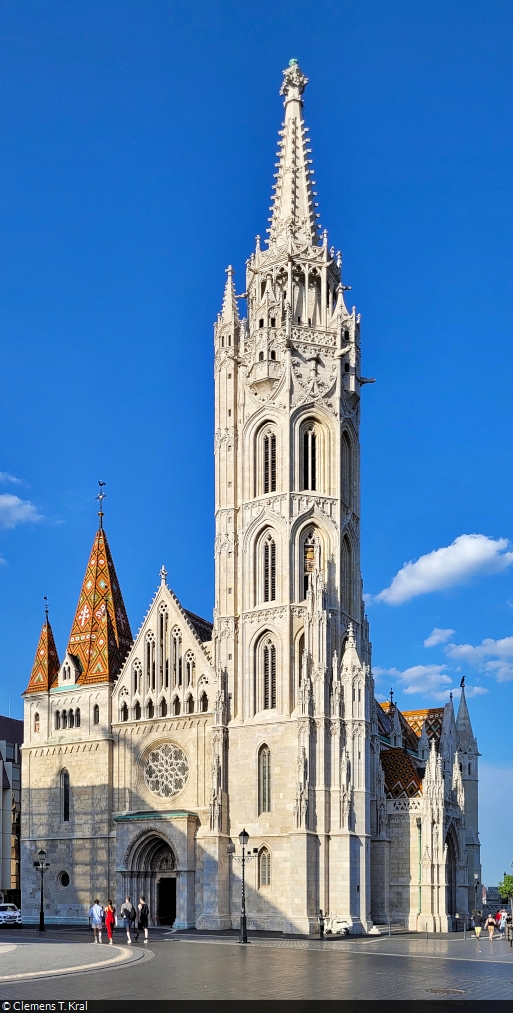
(450, 877)
(153, 875)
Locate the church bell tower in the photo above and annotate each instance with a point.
(291, 640)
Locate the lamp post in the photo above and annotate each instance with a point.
(243, 859)
(42, 866)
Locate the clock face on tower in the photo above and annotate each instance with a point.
(166, 770)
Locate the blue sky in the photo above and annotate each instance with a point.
(136, 162)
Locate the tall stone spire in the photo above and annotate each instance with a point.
(466, 740)
(100, 636)
(293, 210)
(46, 662)
(230, 310)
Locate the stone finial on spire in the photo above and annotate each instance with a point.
(230, 310)
(294, 83)
(163, 574)
(294, 209)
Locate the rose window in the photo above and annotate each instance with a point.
(166, 770)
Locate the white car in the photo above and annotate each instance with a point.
(10, 914)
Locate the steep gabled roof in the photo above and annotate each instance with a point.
(401, 775)
(410, 736)
(46, 662)
(100, 635)
(202, 627)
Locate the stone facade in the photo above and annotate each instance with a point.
(266, 720)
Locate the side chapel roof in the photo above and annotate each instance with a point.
(432, 716)
(100, 635)
(46, 662)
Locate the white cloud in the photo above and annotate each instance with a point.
(437, 636)
(14, 511)
(427, 679)
(432, 681)
(468, 556)
(494, 657)
(5, 477)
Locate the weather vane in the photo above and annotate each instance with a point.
(46, 607)
(100, 497)
(391, 698)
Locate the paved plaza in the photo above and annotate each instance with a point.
(198, 967)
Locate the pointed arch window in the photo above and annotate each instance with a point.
(150, 710)
(347, 470)
(190, 666)
(264, 779)
(269, 551)
(264, 867)
(64, 719)
(96, 714)
(57, 720)
(163, 647)
(176, 706)
(136, 675)
(71, 719)
(189, 705)
(299, 660)
(36, 721)
(269, 675)
(347, 576)
(77, 718)
(124, 712)
(176, 656)
(65, 793)
(137, 711)
(203, 703)
(269, 462)
(309, 457)
(308, 560)
(163, 709)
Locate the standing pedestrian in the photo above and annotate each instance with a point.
(110, 919)
(96, 920)
(490, 925)
(128, 916)
(143, 914)
(502, 922)
(321, 924)
(478, 923)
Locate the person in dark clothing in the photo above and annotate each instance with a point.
(321, 925)
(478, 923)
(143, 915)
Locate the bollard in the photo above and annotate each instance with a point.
(389, 929)
(464, 929)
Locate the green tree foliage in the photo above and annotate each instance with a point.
(505, 887)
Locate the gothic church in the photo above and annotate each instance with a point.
(143, 756)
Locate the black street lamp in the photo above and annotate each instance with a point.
(243, 838)
(42, 866)
(476, 884)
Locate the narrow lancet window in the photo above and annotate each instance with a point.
(269, 676)
(264, 780)
(269, 569)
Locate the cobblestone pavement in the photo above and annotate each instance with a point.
(214, 968)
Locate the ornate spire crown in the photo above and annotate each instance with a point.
(294, 209)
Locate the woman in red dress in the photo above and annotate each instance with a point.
(110, 920)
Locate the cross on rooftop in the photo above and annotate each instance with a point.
(100, 497)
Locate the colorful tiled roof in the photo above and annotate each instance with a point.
(46, 662)
(433, 716)
(100, 637)
(402, 778)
